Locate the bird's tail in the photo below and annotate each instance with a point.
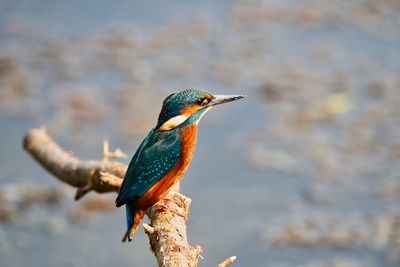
(133, 218)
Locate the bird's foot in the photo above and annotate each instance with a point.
(163, 207)
(172, 199)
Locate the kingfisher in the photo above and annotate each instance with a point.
(164, 155)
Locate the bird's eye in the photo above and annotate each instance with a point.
(202, 101)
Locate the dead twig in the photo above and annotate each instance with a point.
(227, 262)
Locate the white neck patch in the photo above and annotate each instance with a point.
(173, 122)
(197, 121)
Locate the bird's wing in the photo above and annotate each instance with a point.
(155, 157)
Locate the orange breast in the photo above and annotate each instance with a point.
(160, 189)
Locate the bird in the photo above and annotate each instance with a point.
(164, 155)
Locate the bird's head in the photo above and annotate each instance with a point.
(188, 107)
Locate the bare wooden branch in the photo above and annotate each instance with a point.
(167, 233)
(172, 247)
(83, 174)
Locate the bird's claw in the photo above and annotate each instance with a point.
(177, 202)
(161, 206)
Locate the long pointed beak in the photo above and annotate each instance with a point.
(220, 99)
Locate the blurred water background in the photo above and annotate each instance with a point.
(303, 172)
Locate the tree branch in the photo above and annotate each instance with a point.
(83, 174)
(167, 233)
